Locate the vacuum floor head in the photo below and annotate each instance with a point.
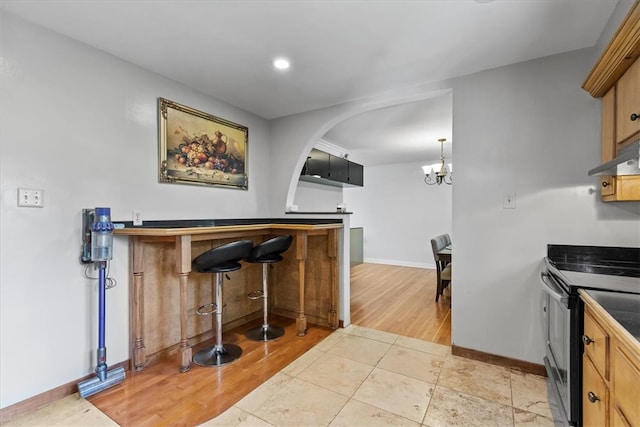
(94, 385)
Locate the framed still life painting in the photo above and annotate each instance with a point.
(199, 148)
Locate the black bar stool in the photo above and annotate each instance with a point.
(266, 253)
(219, 260)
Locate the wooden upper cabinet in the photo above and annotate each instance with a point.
(628, 106)
(615, 78)
(622, 51)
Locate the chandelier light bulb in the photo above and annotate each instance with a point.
(281, 63)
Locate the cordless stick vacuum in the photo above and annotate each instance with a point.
(101, 248)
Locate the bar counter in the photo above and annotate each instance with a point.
(303, 286)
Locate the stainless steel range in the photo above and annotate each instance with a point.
(566, 269)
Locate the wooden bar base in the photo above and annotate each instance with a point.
(304, 285)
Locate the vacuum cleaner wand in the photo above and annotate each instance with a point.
(101, 247)
(101, 364)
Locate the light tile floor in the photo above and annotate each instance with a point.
(362, 377)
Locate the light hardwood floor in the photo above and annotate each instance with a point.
(400, 300)
(160, 395)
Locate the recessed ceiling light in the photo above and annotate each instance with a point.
(281, 63)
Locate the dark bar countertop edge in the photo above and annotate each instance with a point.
(189, 223)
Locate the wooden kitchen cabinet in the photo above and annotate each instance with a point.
(610, 370)
(628, 106)
(618, 131)
(615, 79)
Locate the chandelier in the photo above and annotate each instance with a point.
(439, 172)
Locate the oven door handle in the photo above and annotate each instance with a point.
(551, 288)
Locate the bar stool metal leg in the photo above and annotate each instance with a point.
(219, 354)
(265, 332)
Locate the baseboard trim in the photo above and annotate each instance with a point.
(38, 401)
(507, 362)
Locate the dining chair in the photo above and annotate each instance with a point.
(443, 269)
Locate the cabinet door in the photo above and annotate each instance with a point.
(595, 396)
(356, 174)
(317, 164)
(627, 104)
(596, 344)
(626, 386)
(339, 169)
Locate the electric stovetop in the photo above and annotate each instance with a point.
(606, 268)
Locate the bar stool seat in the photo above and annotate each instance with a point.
(266, 253)
(219, 260)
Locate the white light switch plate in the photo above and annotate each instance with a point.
(30, 198)
(509, 201)
(137, 218)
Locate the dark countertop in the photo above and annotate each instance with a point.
(624, 308)
(190, 223)
(319, 213)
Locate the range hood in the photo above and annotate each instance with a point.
(625, 163)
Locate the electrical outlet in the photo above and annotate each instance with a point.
(137, 218)
(509, 201)
(30, 198)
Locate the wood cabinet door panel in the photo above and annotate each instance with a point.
(618, 420)
(596, 344)
(626, 386)
(628, 103)
(595, 396)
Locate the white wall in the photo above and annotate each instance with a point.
(399, 214)
(82, 126)
(528, 128)
(313, 197)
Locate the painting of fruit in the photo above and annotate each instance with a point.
(198, 148)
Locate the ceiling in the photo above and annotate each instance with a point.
(340, 50)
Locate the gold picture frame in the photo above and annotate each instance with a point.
(201, 149)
